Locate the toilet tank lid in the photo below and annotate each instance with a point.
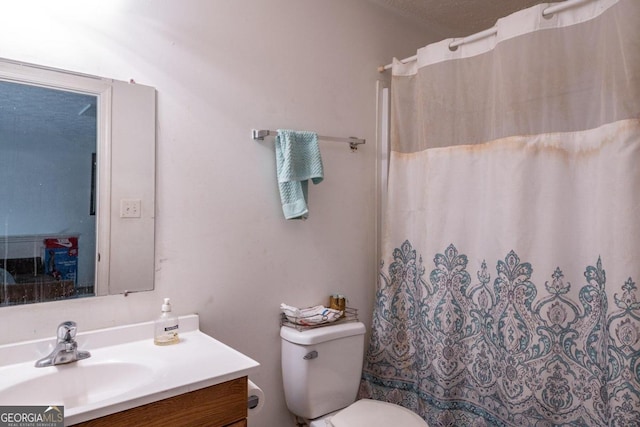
(321, 334)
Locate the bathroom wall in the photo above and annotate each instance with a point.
(221, 68)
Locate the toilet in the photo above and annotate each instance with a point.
(321, 371)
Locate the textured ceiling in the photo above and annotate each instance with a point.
(38, 115)
(457, 18)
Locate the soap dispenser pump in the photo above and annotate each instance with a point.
(166, 326)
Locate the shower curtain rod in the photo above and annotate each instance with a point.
(492, 31)
(259, 134)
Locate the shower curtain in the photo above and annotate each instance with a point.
(507, 292)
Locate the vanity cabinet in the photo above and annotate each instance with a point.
(220, 405)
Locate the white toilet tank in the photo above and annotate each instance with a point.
(321, 367)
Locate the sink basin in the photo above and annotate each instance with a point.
(72, 385)
(125, 370)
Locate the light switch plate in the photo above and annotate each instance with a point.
(130, 208)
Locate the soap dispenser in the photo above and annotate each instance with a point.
(166, 326)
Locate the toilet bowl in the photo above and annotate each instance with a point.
(321, 371)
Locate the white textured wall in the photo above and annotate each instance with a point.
(223, 67)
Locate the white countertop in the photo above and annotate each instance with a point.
(139, 372)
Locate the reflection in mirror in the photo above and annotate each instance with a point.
(75, 151)
(48, 193)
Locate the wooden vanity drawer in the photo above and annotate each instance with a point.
(221, 405)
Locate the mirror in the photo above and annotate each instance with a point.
(77, 185)
(48, 162)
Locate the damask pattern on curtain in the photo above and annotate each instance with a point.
(507, 293)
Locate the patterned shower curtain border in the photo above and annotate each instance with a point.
(465, 352)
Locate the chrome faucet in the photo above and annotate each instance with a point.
(66, 350)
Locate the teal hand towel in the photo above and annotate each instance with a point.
(297, 161)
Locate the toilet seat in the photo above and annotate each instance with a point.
(374, 413)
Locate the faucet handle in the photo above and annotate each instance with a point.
(67, 331)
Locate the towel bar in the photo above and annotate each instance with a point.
(259, 134)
